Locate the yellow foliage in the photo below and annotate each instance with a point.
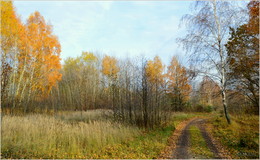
(178, 78)
(109, 67)
(154, 70)
(88, 57)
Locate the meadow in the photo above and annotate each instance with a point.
(93, 134)
(68, 135)
(89, 134)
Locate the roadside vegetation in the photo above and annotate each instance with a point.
(241, 137)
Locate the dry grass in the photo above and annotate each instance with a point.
(42, 136)
(85, 116)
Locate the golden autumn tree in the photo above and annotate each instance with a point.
(179, 87)
(44, 50)
(155, 70)
(111, 69)
(243, 57)
(12, 42)
(89, 57)
(155, 77)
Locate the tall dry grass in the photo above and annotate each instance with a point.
(43, 136)
(86, 116)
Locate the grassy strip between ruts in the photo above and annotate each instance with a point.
(198, 147)
(180, 120)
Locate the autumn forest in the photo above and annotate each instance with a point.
(99, 106)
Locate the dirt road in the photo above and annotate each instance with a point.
(182, 147)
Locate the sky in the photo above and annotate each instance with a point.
(116, 28)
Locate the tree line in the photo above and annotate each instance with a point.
(138, 91)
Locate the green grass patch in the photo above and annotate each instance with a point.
(198, 145)
(241, 137)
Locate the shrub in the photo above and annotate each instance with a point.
(208, 108)
(199, 108)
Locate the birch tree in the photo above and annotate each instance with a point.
(208, 26)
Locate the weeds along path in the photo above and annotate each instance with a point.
(183, 145)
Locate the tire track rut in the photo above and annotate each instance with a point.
(182, 148)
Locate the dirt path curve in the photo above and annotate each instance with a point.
(182, 147)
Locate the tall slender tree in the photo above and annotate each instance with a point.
(110, 69)
(207, 34)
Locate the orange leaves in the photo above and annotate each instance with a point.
(10, 27)
(154, 70)
(175, 79)
(44, 52)
(178, 79)
(253, 24)
(32, 50)
(53, 65)
(12, 33)
(174, 70)
(109, 67)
